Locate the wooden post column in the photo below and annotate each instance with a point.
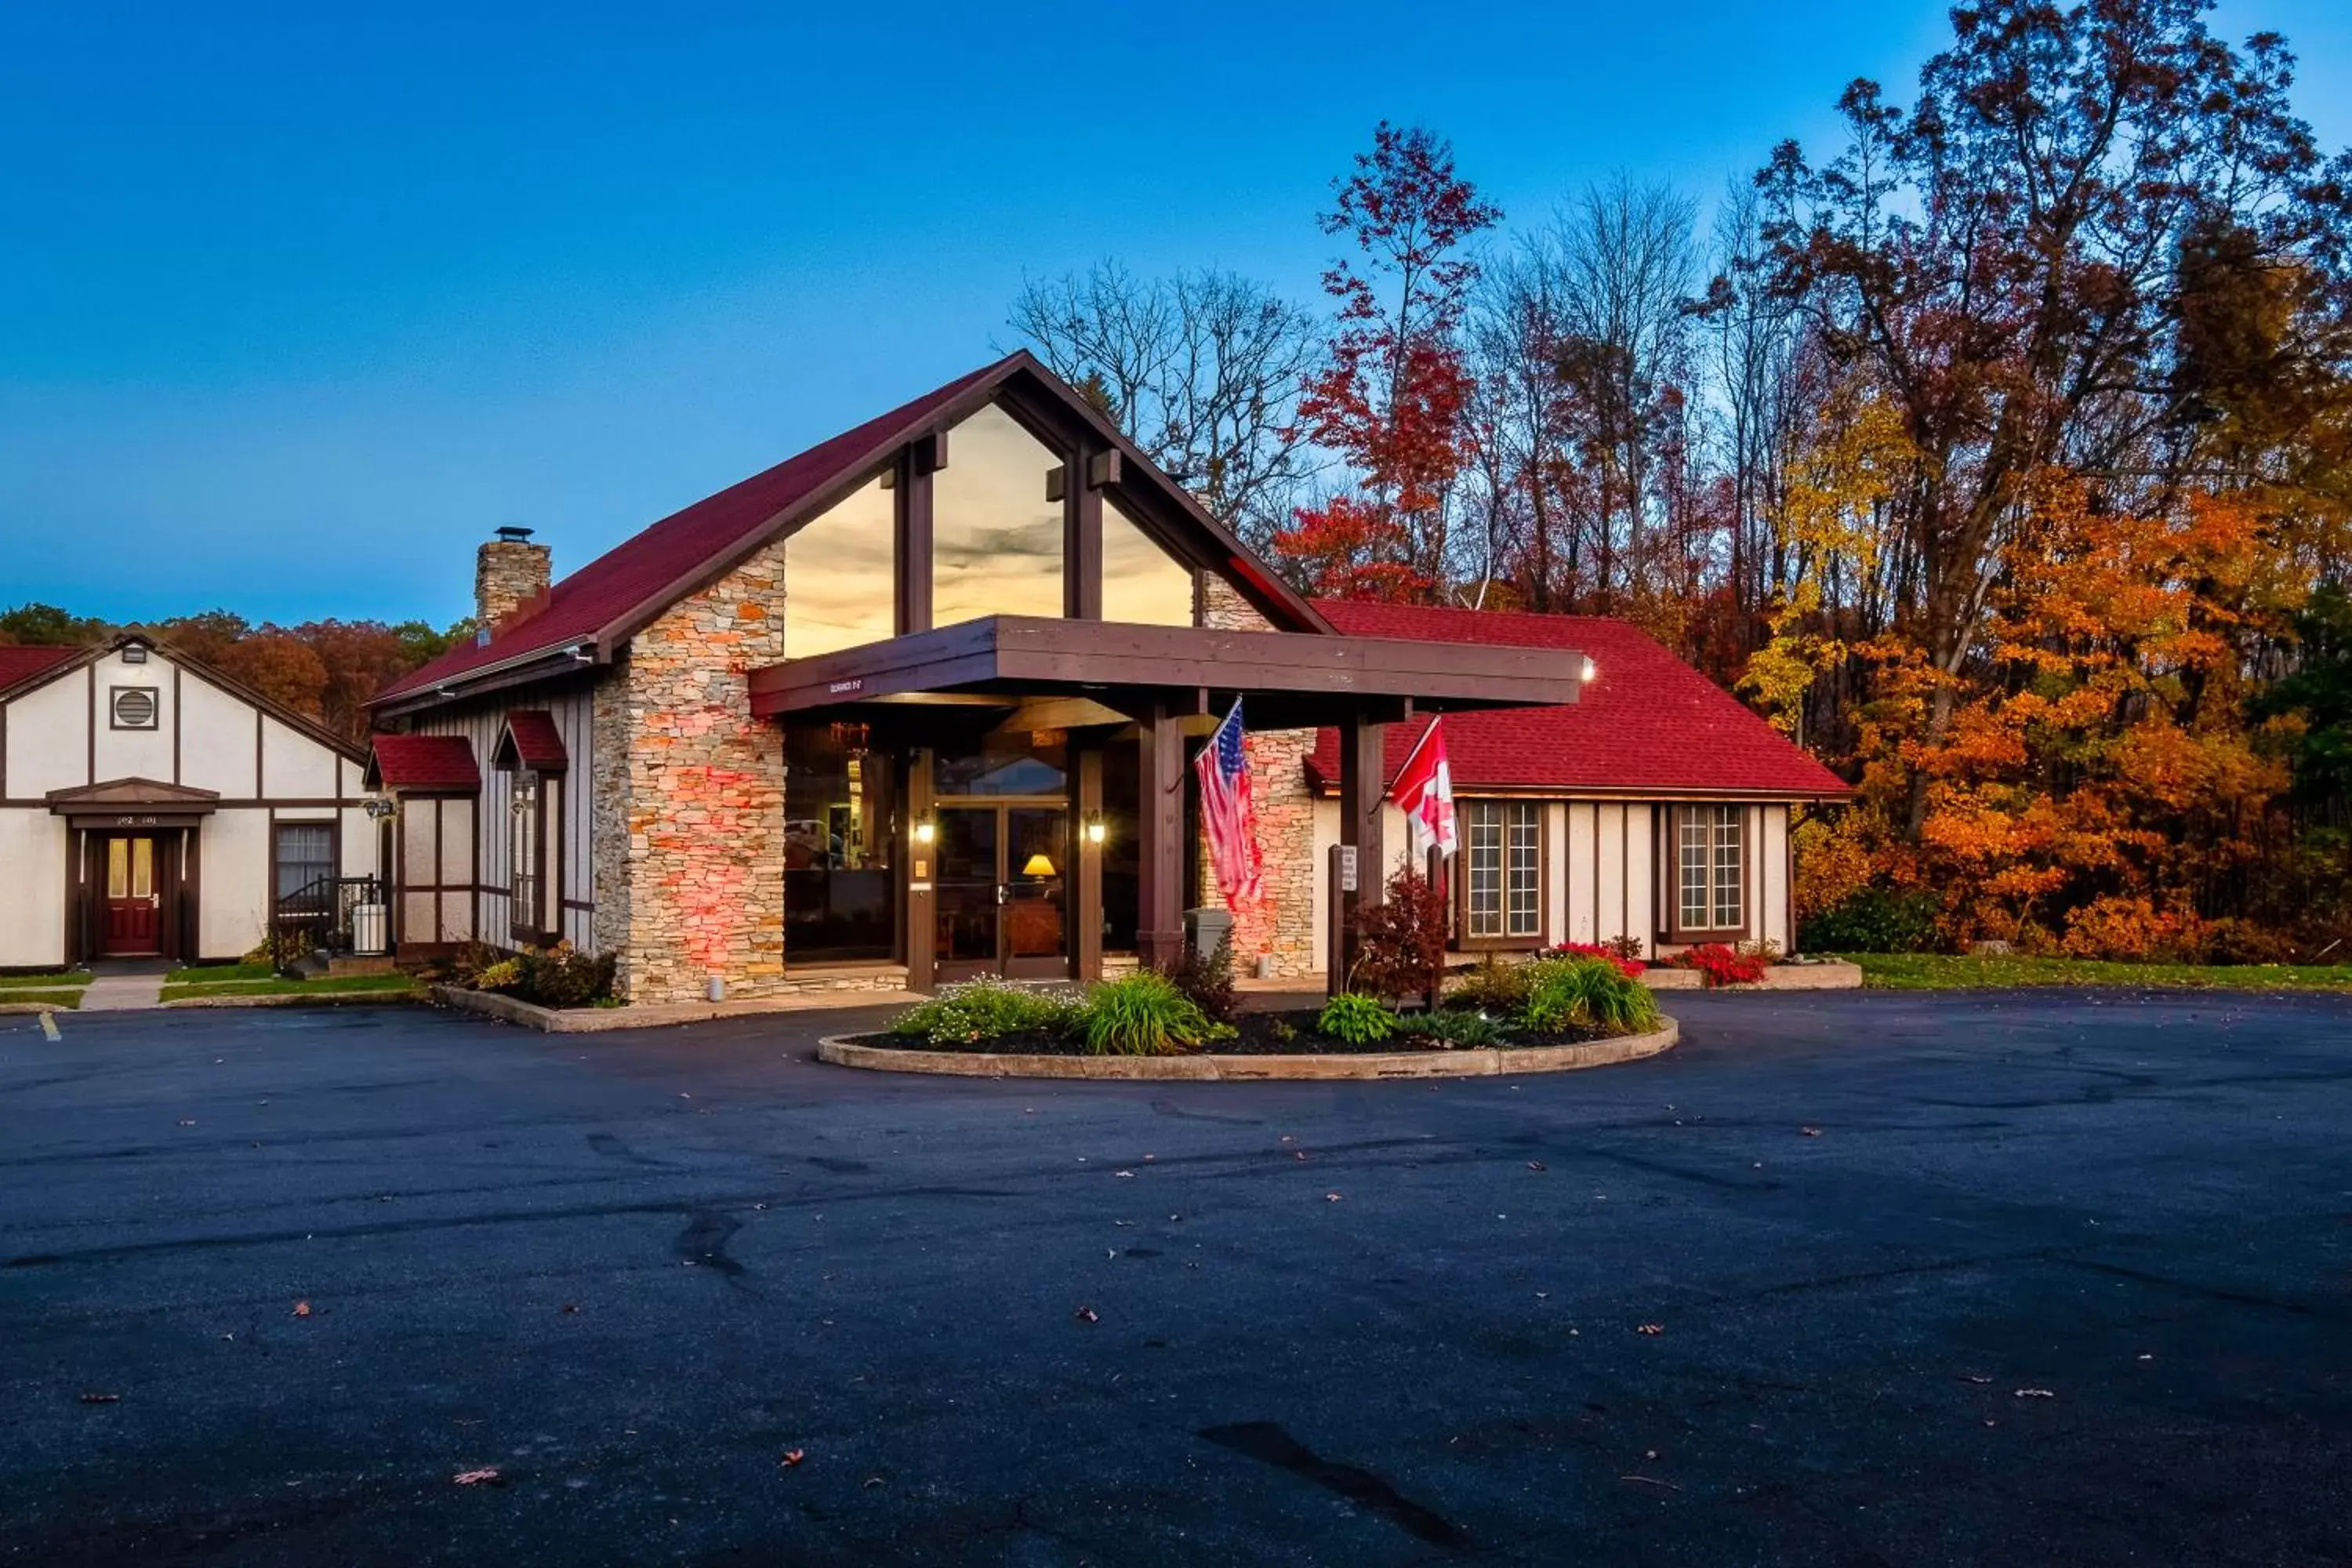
(1362, 760)
(1160, 833)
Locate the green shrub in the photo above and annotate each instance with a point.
(1206, 982)
(1874, 919)
(1144, 1015)
(1493, 986)
(1455, 1027)
(1358, 1020)
(564, 976)
(504, 974)
(983, 1010)
(1586, 992)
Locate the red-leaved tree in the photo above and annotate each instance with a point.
(1391, 394)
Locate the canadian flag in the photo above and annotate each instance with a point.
(1424, 791)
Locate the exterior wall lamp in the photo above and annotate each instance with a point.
(1095, 829)
(1588, 673)
(926, 831)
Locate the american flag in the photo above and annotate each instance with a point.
(1228, 813)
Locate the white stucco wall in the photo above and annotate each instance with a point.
(217, 751)
(48, 738)
(32, 888)
(233, 859)
(131, 753)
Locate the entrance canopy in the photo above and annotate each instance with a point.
(132, 803)
(1291, 680)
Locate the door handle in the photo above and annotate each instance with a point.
(1003, 894)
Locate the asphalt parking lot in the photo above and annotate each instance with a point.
(1847, 1278)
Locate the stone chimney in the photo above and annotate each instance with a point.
(510, 577)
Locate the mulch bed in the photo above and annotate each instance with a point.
(1261, 1035)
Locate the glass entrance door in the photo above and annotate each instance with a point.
(1002, 892)
(967, 890)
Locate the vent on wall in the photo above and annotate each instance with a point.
(135, 708)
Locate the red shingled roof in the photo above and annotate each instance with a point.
(24, 663)
(1649, 723)
(423, 763)
(536, 742)
(604, 593)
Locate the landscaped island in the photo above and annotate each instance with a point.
(1554, 1001)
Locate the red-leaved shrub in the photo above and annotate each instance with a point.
(1722, 965)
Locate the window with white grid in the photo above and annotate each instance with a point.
(1501, 875)
(1711, 873)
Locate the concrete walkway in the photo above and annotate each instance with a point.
(125, 985)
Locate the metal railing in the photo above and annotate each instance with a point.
(332, 914)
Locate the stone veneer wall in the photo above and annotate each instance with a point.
(690, 824)
(1283, 926)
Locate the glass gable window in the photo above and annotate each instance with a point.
(1711, 869)
(1141, 582)
(1501, 869)
(839, 590)
(996, 540)
(840, 893)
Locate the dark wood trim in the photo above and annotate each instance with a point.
(911, 555)
(1082, 547)
(176, 727)
(1596, 873)
(1159, 836)
(1362, 793)
(90, 729)
(1672, 924)
(1541, 937)
(1038, 655)
(580, 906)
(348, 802)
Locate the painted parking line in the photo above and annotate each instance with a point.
(49, 1026)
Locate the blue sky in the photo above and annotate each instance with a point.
(294, 308)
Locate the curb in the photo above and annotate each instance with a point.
(659, 1015)
(1833, 975)
(842, 1051)
(330, 999)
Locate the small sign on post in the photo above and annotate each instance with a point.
(1346, 868)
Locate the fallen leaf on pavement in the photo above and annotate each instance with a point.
(1650, 1328)
(188, 1121)
(792, 1457)
(571, 1306)
(102, 1399)
(474, 1478)
(1087, 1315)
(1811, 1131)
(1330, 1197)
(301, 1308)
(1537, 1165)
(1122, 1173)
(2035, 1394)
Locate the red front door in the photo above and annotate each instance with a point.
(133, 908)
